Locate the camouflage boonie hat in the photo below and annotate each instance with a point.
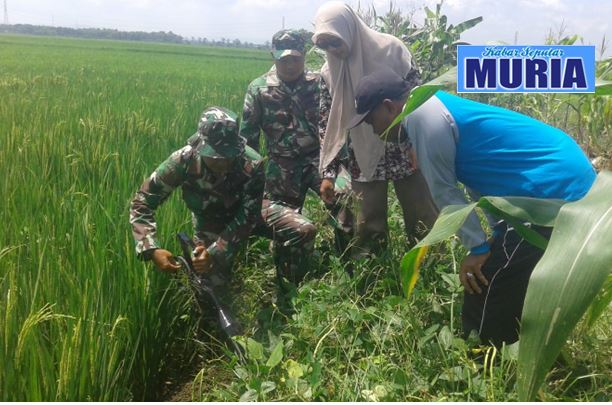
(219, 129)
(287, 42)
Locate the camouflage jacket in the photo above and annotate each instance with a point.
(288, 117)
(395, 165)
(225, 208)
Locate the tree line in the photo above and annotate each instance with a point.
(114, 34)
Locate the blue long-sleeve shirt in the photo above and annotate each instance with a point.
(495, 152)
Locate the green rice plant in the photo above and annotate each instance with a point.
(82, 123)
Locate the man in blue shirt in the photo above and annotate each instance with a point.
(494, 152)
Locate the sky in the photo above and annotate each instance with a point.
(257, 20)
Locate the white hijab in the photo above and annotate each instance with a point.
(368, 51)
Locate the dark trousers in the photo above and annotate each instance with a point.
(418, 209)
(495, 313)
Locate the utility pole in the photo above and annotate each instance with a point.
(6, 21)
(282, 28)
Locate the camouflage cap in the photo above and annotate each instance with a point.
(219, 129)
(287, 42)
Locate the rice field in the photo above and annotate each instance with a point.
(82, 123)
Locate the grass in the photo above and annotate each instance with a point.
(358, 339)
(82, 123)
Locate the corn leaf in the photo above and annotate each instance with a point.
(410, 266)
(565, 282)
(421, 94)
(518, 210)
(515, 210)
(600, 303)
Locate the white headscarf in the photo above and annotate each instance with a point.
(368, 51)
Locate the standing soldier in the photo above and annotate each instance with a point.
(222, 183)
(284, 104)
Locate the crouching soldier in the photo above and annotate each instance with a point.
(222, 184)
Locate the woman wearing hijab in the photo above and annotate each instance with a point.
(353, 51)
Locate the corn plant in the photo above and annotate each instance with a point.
(434, 45)
(575, 265)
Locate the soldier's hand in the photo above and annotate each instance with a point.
(164, 262)
(202, 260)
(327, 191)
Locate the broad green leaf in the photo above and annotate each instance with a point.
(446, 80)
(267, 386)
(600, 303)
(445, 337)
(448, 223)
(565, 281)
(254, 349)
(410, 266)
(421, 94)
(466, 25)
(249, 396)
(276, 356)
(515, 210)
(538, 211)
(455, 374)
(418, 96)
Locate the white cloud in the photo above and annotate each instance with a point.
(546, 7)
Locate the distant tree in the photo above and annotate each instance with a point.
(106, 33)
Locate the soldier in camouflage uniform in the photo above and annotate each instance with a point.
(222, 184)
(284, 104)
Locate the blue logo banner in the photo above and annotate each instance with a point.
(525, 69)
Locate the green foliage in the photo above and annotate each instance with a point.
(356, 340)
(575, 265)
(434, 44)
(421, 94)
(82, 124)
(512, 209)
(600, 303)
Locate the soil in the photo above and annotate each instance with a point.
(179, 387)
(180, 383)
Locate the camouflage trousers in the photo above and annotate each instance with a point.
(294, 233)
(219, 279)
